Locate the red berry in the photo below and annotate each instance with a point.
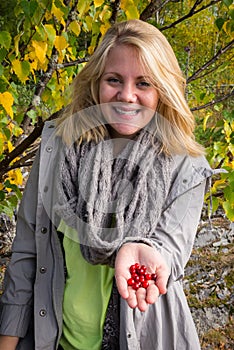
(145, 284)
(135, 277)
(137, 266)
(132, 269)
(143, 267)
(136, 285)
(141, 278)
(141, 271)
(131, 281)
(153, 276)
(147, 276)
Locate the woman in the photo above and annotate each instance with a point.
(119, 180)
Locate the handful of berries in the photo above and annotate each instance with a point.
(139, 276)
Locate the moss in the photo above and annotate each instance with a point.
(222, 338)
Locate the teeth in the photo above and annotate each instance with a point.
(122, 111)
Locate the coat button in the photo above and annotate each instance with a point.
(43, 230)
(49, 149)
(43, 269)
(129, 335)
(185, 181)
(42, 313)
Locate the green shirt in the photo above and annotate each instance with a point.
(86, 297)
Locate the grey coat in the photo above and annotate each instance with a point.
(31, 306)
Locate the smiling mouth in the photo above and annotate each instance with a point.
(126, 113)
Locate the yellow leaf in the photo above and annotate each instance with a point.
(33, 66)
(40, 50)
(21, 69)
(98, 3)
(91, 50)
(129, 7)
(10, 146)
(1, 187)
(58, 14)
(15, 176)
(6, 100)
(60, 43)
(104, 28)
(75, 27)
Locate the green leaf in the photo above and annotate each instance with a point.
(7, 133)
(29, 7)
(33, 115)
(6, 209)
(215, 203)
(227, 2)
(2, 195)
(1, 69)
(3, 53)
(229, 194)
(5, 39)
(229, 210)
(219, 23)
(231, 13)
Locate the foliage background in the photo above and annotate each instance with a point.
(44, 43)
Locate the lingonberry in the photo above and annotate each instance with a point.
(132, 269)
(136, 277)
(136, 285)
(148, 276)
(145, 284)
(137, 266)
(139, 276)
(131, 281)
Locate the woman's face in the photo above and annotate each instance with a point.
(125, 89)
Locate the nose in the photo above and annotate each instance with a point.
(127, 93)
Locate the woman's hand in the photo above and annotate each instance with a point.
(131, 253)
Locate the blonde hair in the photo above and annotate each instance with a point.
(176, 126)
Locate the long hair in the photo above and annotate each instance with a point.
(175, 126)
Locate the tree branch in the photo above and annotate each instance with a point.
(211, 70)
(211, 103)
(73, 9)
(115, 9)
(26, 143)
(21, 162)
(211, 61)
(191, 13)
(72, 63)
(153, 7)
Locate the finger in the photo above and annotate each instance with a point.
(162, 279)
(141, 299)
(152, 294)
(132, 300)
(122, 286)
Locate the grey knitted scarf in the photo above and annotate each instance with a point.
(109, 198)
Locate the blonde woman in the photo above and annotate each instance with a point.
(114, 197)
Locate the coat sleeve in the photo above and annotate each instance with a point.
(16, 304)
(176, 229)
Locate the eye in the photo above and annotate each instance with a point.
(144, 84)
(113, 80)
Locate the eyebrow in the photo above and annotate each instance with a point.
(119, 75)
